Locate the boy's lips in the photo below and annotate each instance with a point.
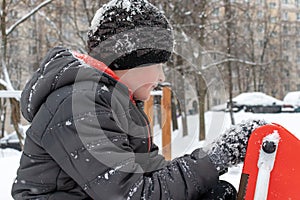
(155, 86)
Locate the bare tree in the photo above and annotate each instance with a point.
(5, 33)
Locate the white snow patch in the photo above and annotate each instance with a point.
(104, 87)
(134, 189)
(9, 163)
(274, 137)
(106, 176)
(292, 98)
(266, 160)
(126, 5)
(188, 12)
(68, 123)
(130, 7)
(124, 43)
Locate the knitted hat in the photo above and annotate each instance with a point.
(130, 33)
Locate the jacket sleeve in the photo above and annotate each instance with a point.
(95, 151)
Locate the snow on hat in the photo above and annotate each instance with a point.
(129, 33)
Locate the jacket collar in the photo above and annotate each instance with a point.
(101, 67)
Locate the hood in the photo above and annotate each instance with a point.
(61, 67)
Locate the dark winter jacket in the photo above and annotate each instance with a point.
(89, 139)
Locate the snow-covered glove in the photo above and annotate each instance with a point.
(229, 148)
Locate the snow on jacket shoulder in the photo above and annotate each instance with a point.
(89, 140)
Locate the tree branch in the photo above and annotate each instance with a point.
(25, 17)
(235, 60)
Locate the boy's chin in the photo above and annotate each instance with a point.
(142, 97)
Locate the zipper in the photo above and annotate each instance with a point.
(145, 118)
(149, 132)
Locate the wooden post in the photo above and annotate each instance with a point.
(166, 123)
(148, 108)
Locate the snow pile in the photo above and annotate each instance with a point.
(292, 98)
(256, 98)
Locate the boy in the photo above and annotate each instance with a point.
(89, 137)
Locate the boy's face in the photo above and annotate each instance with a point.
(142, 80)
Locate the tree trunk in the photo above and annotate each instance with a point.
(183, 114)
(228, 16)
(3, 118)
(16, 119)
(201, 99)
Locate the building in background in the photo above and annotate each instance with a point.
(264, 32)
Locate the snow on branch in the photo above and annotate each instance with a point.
(3, 83)
(7, 91)
(234, 60)
(48, 20)
(25, 17)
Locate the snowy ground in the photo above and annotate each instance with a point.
(216, 122)
(9, 160)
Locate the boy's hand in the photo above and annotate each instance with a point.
(229, 149)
